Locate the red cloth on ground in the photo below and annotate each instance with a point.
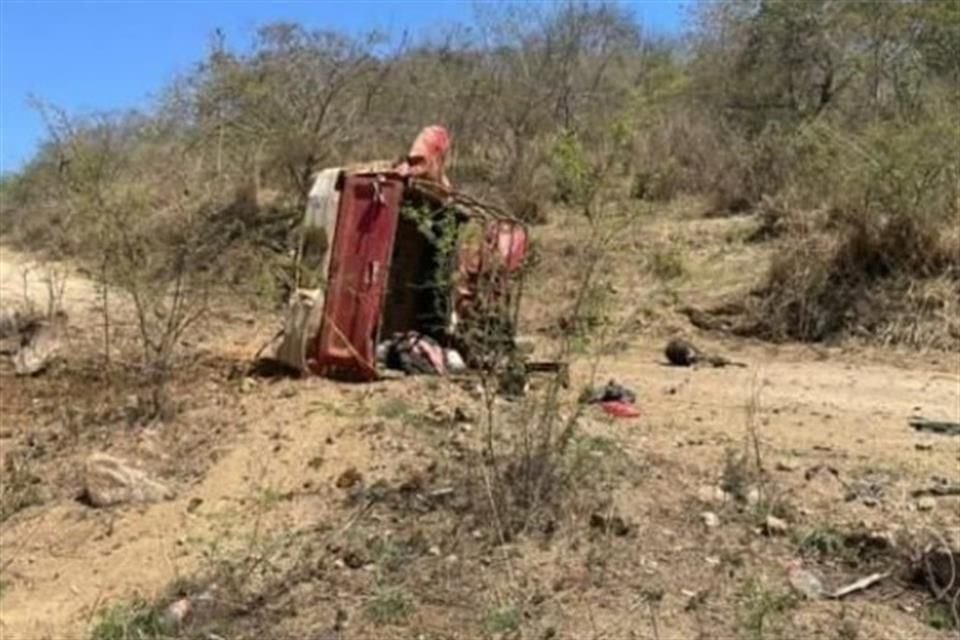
(619, 409)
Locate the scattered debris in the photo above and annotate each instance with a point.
(859, 585)
(286, 352)
(110, 481)
(613, 392)
(454, 361)
(619, 409)
(939, 490)
(562, 369)
(710, 519)
(941, 427)
(413, 354)
(681, 353)
(615, 399)
(937, 568)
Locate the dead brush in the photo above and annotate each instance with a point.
(934, 565)
(890, 281)
(159, 242)
(20, 487)
(744, 475)
(527, 473)
(891, 229)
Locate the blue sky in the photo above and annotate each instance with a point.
(102, 55)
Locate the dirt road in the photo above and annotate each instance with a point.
(63, 562)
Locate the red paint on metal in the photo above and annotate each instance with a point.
(357, 278)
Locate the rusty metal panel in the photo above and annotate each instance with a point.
(359, 267)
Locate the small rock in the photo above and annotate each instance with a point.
(39, 347)
(806, 583)
(132, 402)
(786, 465)
(194, 504)
(926, 504)
(174, 615)
(108, 481)
(434, 551)
(708, 493)
(754, 496)
(354, 560)
(775, 526)
(870, 501)
(247, 385)
(349, 479)
(710, 519)
(924, 446)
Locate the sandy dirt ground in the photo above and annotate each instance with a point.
(62, 561)
(24, 278)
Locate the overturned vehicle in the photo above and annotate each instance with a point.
(399, 272)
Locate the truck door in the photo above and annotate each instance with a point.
(359, 265)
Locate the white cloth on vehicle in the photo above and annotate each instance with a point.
(323, 203)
